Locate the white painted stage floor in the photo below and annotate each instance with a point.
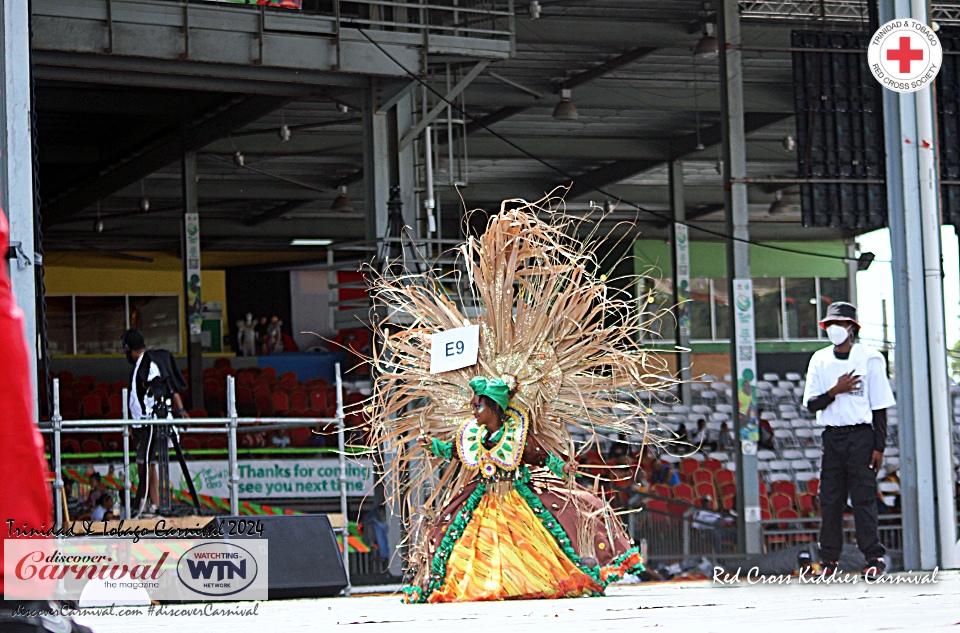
(691, 607)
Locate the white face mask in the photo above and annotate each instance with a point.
(838, 334)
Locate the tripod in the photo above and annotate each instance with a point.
(163, 434)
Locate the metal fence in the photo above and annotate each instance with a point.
(229, 426)
(675, 535)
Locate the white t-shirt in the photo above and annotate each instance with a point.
(98, 513)
(854, 407)
(137, 413)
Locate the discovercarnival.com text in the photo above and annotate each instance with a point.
(207, 610)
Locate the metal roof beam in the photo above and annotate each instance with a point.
(623, 169)
(276, 212)
(442, 105)
(230, 115)
(605, 68)
(578, 79)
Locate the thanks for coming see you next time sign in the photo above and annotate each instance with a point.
(905, 55)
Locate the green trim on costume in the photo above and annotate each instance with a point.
(555, 464)
(438, 566)
(552, 525)
(441, 448)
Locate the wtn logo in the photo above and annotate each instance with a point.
(218, 569)
(224, 568)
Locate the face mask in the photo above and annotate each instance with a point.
(838, 334)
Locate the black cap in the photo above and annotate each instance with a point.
(840, 311)
(133, 339)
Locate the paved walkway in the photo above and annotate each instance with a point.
(690, 607)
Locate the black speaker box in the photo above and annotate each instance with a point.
(304, 559)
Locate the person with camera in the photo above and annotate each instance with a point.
(155, 388)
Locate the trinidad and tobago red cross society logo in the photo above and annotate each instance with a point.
(905, 55)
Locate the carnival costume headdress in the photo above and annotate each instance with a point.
(561, 341)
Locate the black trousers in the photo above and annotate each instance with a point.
(845, 470)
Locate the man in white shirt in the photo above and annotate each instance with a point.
(147, 368)
(848, 389)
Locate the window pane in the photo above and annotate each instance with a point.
(832, 290)
(700, 309)
(100, 323)
(159, 320)
(660, 320)
(767, 308)
(60, 325)
(801, 316)
(721, 308)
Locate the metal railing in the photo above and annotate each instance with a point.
(676, 535)
(230, 426)
(830, 11)
(479, 19)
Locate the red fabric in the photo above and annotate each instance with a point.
(24, 496)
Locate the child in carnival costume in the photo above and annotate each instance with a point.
(484, 452)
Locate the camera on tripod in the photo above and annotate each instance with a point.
(160, 391)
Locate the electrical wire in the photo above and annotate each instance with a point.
(565, 174)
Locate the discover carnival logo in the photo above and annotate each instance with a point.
(905, 55)
(217, 569)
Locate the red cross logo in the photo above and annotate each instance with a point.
(905, 55)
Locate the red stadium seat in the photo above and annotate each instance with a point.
(662, 490)
(281, 403)
(725, 477)
(778, 502)
(728, 490)
(264, 405)
(91, 407)
(222, 363)
(805, 504)
(683, 492)
(92, 446)
(318, 400)
(70, 445)
(299, 400)
(703, 489)
(785, 487)
(813, 486)
(703, 477)
(712, 465)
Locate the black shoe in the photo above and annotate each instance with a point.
(875, 567)
(830, 568)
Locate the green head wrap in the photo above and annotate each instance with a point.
(495, 389)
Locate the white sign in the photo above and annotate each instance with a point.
(905, 55)
(745, 383)
(277, 478)
(454, 349)
(752, 514)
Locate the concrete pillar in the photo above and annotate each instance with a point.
(926, 473)
(680, 241)
(16, 166)
(743, 368)
(376, 166)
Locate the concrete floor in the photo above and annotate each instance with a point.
(690, 607)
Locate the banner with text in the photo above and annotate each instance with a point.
(278, 478)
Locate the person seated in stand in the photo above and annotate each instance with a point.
(682, 433)
(104, 509)
(712, 524)
(253, 439)
(96, 491)
(280, 439)
(724, 437)
(700, 437)
(662, 473)
(766, 432)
